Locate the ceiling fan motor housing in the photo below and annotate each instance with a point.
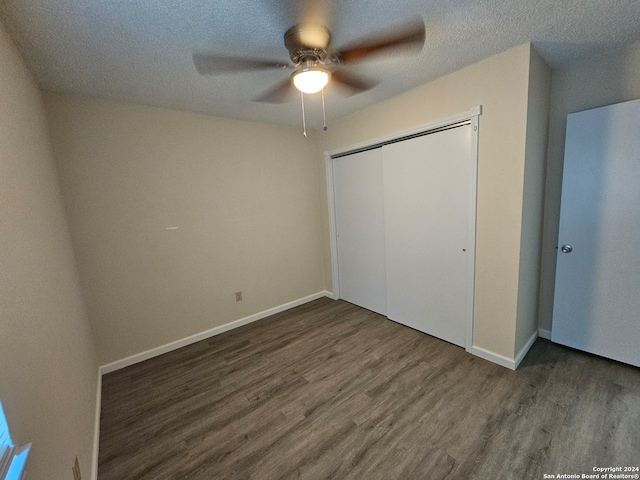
(307, 41)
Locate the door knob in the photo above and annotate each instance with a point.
(566, 248)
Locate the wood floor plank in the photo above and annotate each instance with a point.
(331, 390)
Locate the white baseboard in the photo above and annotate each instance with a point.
(96, 429)
(154, 352)
(523, 351)
(492, 357)
(510, 363)
(542, 333)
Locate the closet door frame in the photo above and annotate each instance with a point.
(473, 117)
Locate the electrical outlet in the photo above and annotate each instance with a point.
(76, 470)
(238, 296)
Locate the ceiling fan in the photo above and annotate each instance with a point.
(314, 62)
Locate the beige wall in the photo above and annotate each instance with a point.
(500, 84)
(48, 373)
(533, 200)
(243, 195)
(587, 84)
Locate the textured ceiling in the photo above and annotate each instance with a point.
(141, 50)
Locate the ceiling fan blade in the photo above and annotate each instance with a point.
(355, 83)
(279, 94)
(409, 36)
(217, 64)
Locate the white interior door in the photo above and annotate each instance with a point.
(429, 234)
(359, 214)
(597, 291)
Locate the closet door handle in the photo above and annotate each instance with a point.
(566, 248)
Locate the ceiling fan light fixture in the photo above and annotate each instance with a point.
(310, 79)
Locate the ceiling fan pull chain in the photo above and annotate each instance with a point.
(304, 122)
(324, 116)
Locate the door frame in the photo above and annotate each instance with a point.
(432, 127)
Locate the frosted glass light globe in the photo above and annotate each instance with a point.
(310, 80)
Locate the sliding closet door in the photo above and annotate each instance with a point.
(360, 229)
(427, 183)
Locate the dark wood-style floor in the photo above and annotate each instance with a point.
(330, 390)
